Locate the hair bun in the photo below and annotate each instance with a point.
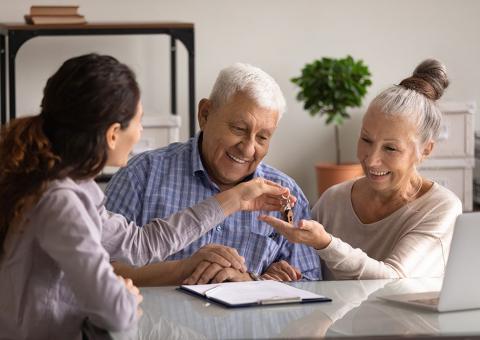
(429, 78)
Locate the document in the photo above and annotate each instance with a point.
(251, 293)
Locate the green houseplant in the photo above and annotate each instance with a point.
(329, 87)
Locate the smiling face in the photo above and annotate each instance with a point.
(236, 137)
(387, 150)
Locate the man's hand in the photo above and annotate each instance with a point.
(282, 271)
(219, 255)
(208, 272)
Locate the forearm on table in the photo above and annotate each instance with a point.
(154, 274)
(346, 262)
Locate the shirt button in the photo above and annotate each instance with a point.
(219, 228)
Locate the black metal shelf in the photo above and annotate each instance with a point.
(13, 36)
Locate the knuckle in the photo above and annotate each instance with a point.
(205, 277)
(194, 277)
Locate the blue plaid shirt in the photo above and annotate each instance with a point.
(161, 182)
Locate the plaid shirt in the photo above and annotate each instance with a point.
(161, 182)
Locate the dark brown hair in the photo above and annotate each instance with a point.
(81, 101)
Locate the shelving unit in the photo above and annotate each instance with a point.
(13, 36)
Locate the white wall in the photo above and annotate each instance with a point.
(279, 36)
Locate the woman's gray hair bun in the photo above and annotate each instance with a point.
(429, 78)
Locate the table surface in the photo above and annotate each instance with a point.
(355, 310)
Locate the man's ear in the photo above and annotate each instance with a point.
(204, 108)
(112, 135)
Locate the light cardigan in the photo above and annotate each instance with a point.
(413, 241)
(55, 273)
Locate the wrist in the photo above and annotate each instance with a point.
(229, 200)
(253, 276)
(123, 270)
(324, 242)
(183, 268)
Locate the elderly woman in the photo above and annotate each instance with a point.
(392, 223)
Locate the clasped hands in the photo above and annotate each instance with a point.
(215, 263)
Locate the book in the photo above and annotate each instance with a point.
(53, 10)
(54, 19)
(252, 293)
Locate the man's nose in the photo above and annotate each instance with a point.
(247, 146)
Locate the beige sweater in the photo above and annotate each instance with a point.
(411, 242)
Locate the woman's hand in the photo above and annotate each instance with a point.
(308, 232)
(256, 194)
(135, 291)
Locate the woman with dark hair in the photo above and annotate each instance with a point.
(54, 269)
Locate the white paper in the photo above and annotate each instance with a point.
(235, 293)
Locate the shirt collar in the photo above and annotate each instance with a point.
(197, 165)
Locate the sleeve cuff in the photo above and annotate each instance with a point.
(331, 251)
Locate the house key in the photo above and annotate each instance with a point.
(287, 210)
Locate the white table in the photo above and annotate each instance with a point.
(354, 311)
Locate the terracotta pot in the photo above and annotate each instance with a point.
(330, 174)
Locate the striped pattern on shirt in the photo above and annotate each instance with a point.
(161, 182)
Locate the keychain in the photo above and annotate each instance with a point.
(287, 210)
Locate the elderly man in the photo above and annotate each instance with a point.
(237, 123)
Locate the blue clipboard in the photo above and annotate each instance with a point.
(209, 295)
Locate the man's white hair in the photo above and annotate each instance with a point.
(248, 79)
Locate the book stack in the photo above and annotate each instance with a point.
(54, 15)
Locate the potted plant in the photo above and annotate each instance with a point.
(328, 87)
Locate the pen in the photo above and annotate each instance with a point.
(276, 300)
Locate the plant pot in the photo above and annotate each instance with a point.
(330, 174)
